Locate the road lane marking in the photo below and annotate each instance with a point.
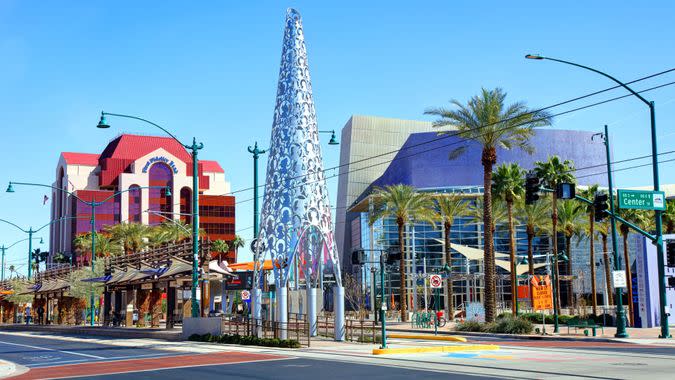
(52, 349)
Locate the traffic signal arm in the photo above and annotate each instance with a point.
(620, 219)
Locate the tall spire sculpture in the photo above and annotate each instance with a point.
(296, 225)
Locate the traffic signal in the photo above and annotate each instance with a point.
(393, 255)
(600, 207)
(670, 253)
(532, 185)
(358, 257)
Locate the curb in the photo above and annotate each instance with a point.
(513, 336)
(428, 337)
(87, 331)
(418, 350)
(7, 369)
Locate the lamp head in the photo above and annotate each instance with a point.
(446, 268)
(10, 189)
(42, 241)
(333, 140)
(167, 191)
(103, 124)
(524, 261)
(563, 257)
(534, 56)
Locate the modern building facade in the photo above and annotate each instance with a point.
(422, 162)
(131, 162)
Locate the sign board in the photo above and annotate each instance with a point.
(542, 293)
(245, 295)
(642, 199)
(240, 281)
(523, 292)
(475, 312)
(619, 278)
(435, 281)
(217, 298)
(147, 286)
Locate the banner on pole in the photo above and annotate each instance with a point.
(542, 293)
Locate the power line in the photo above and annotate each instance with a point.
(445, 136)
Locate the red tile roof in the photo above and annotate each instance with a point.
(211, 166)
(73, 158)
(131, 147)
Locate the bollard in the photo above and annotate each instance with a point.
(339, 308)
(311, 310)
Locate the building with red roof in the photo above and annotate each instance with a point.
(132, 162)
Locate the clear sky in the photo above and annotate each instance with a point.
(210, 69)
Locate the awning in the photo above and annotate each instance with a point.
(267, 265)
(54, 285)
(177, 267)
(215, 268)
(520, 269)
(98, 279)
(501, 259)
(155, 271)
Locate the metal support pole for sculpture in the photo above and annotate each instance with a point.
(339, 307)
(282, 312)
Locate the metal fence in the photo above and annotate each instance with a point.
(296, 328)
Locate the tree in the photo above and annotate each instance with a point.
(12, 269)
(404, 204)
(175, 231)
(641, 219)
(220, 246)
(552, 172)
(590, 193)
(449, 207)
(508, 184)
(669, 216)
(570, 213)
(604, 229)
(536, 219)
(105, 246)
(238, 242)
(499, 213)
(131, 236)
(354, 294)
(488, 121)
(20, 291)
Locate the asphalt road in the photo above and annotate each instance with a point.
(291, 369)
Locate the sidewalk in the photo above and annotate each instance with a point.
(100, 331)
(636, 335)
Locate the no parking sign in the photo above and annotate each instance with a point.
(435, 281)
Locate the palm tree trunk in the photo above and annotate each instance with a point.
(402, 288)
(530, 263)
(448, 282)
(608, 284)
(488, 159)
(591, 227)
(512, 254)
(554, 238)
(629, 282)
(570, 282)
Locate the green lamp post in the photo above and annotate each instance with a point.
(521, 262)
(30, 231)
(92, 204)
(562, 257)
(194, 149)
(658, 241)
(333, 139)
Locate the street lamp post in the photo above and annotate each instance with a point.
(658, 241)
(30, 233)
(92, 204)
(562, 257)
(515, 266)
(194, 149)
(256, 154)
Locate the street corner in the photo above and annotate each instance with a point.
(432, 349)
(10, 369)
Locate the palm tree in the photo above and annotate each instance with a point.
(536, 219)
(131, 236)
(404, 204)
(641, 219)
(450, 207)
(82, 244)
(590, 193)
(220, 246)
(487, 120)
(499, 212)
(571, 223)
(237, 242)
(552, 172)
(669, 216)
(12, 269)
(508, 184)
(604, 229)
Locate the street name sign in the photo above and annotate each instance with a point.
(642, 199)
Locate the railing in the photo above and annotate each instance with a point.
(296, 328)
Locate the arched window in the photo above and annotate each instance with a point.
(134, 204)
(186, 205)
(160, 174)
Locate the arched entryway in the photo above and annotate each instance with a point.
(160, 174)
(186, 205)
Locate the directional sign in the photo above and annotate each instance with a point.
(642, 200)
(435, 281)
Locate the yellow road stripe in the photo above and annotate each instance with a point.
(418, 350)
(428, 337)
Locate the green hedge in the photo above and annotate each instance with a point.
(505, 324)
(245, 340)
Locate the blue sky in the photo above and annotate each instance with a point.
(211, 69)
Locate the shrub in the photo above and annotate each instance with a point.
(246, 340)
(470, 326)
(509, 325)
